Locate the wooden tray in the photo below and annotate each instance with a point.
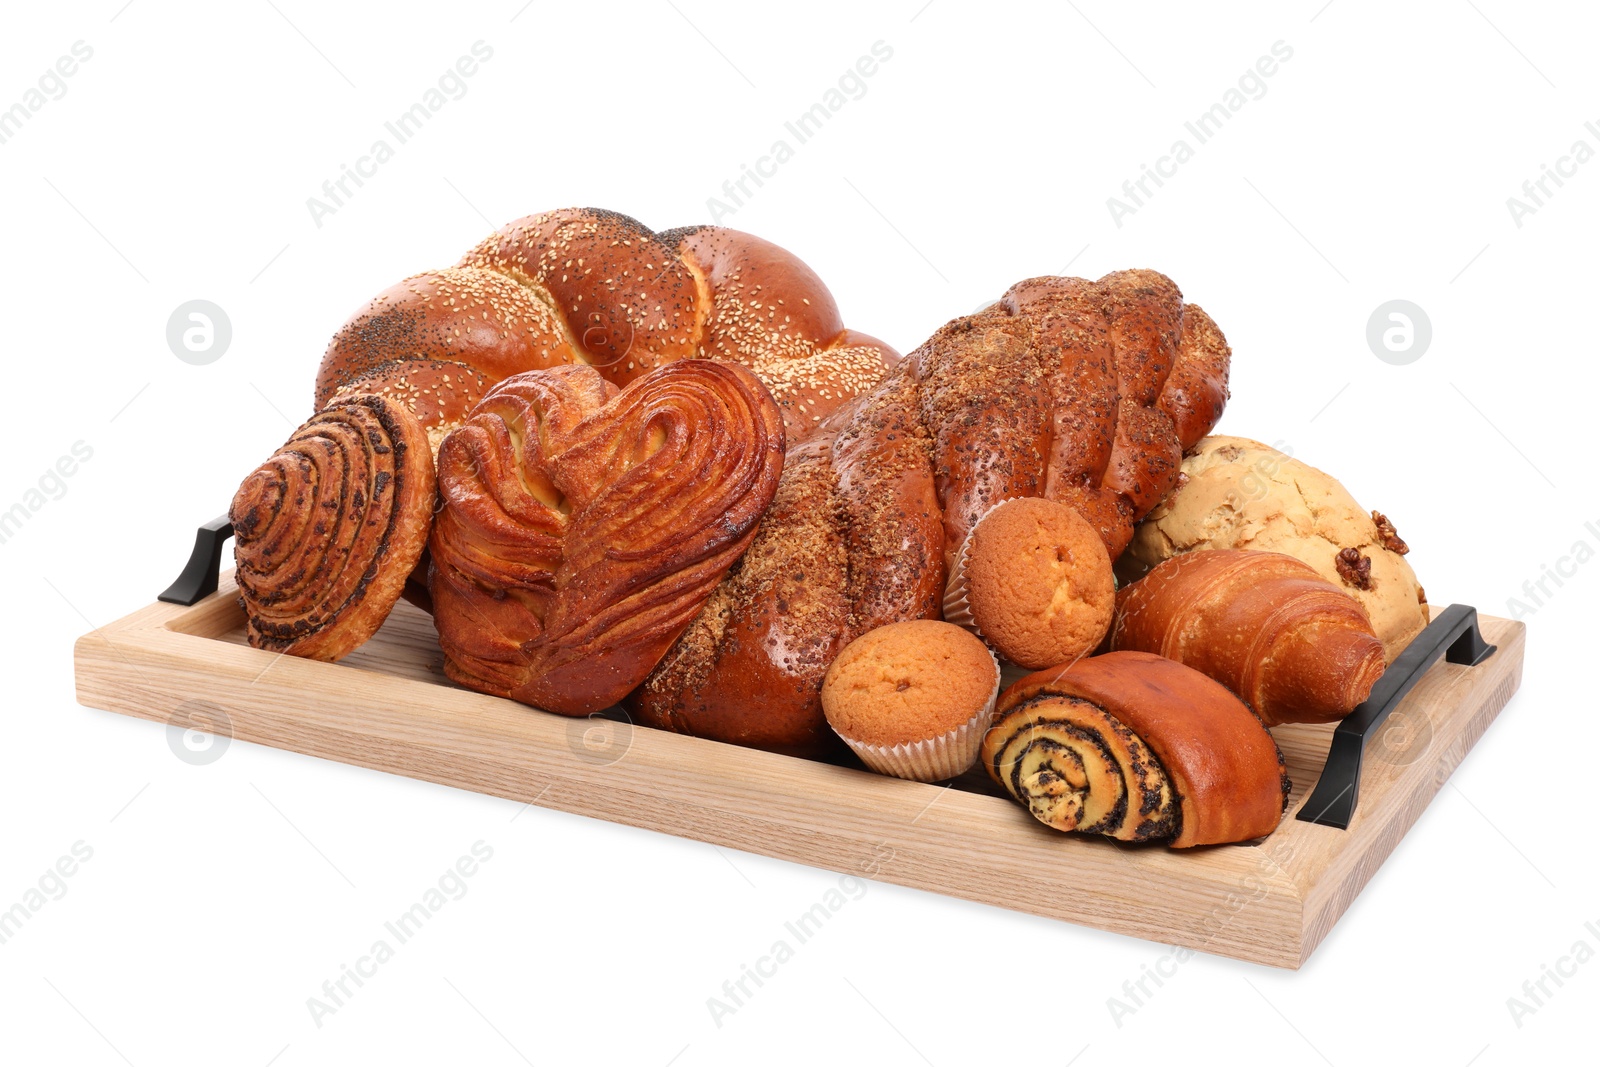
(388, 706)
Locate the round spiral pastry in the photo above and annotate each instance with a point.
(327, 530)
(587, 286)
(1138, 748)
(1075, 767)
(582, 528)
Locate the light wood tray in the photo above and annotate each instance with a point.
(388, 706)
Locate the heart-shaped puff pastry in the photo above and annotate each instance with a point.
(581, 528)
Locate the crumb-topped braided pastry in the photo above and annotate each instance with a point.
(1135, 377)
(595, 287)
(582, 528)
(1138, 748)
(1082, 392)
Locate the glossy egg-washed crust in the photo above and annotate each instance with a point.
(1078, 391)
(582, 528)
(584, 287)
(327, 530)
(1139, 748)
(1295, 646)
(595, 287)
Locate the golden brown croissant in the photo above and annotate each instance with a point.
(1078, 391)
(1139, 748)
(1293, 645)
(582, 528)
(327, 530)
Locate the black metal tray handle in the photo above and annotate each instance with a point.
(1454, 634)
(199, 577)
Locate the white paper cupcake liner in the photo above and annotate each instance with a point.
(933, 759)
(957, 606)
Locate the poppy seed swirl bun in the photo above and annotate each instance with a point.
(326, 531)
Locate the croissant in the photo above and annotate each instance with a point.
(1293, 645)
(327, 530)
(1077, 391)
(1138, 748)
(582, 528)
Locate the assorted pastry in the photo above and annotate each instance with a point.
(913, 699)
(1237, 493)
(1140, 748)
(1295, 646)
(1083, 393)
(656, 470)
(1033, 580)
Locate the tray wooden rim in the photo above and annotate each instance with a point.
(1272, 902)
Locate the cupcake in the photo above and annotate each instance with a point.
(913, 699)
(1033, 580)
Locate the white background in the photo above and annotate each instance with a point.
(1377, 166)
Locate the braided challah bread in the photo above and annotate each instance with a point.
(577, 286)
(582, 285)
(1077, 391)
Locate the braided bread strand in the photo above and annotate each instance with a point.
(595, 287)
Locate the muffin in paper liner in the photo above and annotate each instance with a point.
(957, 605)
(932, 759)
(913, 699)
